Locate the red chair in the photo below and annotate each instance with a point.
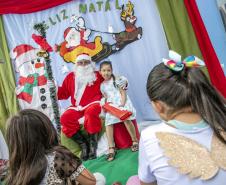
(122, 137)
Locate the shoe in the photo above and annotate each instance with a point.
(82, 142)
(93, 138)
(111, 155)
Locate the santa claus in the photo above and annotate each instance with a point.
(72, 37)
(83, 87)
(32, 91)
(78, 35)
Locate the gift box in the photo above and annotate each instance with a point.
(117, 111)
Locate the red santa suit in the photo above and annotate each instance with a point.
(87, 105)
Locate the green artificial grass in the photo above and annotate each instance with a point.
(120, 169)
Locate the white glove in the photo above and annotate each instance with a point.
(87, 34)
(121, 82)
(102, 101)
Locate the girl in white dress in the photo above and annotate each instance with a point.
(118, 97)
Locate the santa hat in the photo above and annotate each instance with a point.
(83, 56)
(68, 32)
(23, 53)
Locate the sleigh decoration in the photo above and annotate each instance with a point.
(76, 38)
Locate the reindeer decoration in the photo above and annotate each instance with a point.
(131, 32)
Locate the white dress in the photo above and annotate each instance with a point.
(114, 96)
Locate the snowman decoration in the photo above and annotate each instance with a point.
(32, 90)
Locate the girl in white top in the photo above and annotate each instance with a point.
(117, 96)
(189, 146)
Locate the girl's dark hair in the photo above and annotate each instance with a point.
(30, 135)
(188, 88)
(110, 64)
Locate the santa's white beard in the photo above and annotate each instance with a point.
(85, 74)
(72, 42)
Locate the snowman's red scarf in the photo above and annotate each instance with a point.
(29, 83)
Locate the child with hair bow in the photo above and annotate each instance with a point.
(189, 146)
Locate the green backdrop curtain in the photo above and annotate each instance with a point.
(8, 101)
(178, 28)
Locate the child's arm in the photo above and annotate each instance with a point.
(123, 97)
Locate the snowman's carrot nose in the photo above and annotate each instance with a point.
(38, 65)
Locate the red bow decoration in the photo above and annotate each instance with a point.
(41, 80)
(24, 80)
(42, 42)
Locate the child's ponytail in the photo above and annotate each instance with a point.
(181, 84)
(207, 102)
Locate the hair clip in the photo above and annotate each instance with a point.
(173, 65)
(176, 64)
(193, 61)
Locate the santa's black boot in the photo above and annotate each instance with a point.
(93, 139)
(82, 142)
